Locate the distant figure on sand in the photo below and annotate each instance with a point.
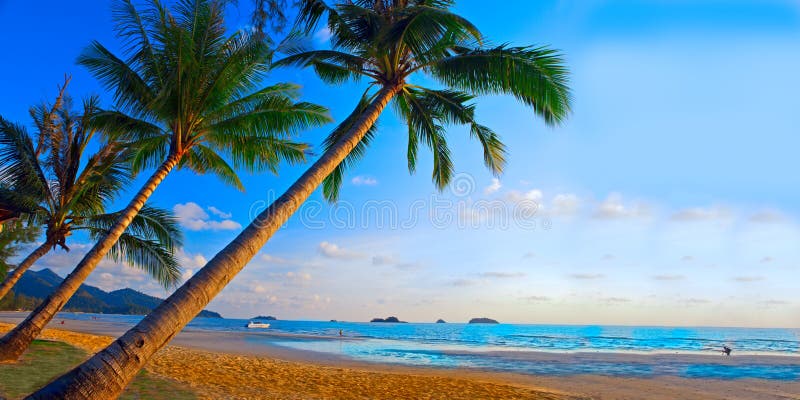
(726, 350)
(340, 333)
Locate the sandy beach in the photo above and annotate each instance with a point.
(219, 365)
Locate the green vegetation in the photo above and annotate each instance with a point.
(46, 360)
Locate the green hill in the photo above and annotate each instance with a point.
(35, 286)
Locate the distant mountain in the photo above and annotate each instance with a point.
(35, 286)
(388, 319)
(265, 318)
(483, 320)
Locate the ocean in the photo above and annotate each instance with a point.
(638, 351)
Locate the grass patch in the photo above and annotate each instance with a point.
(46, 360)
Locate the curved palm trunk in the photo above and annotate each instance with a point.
(15, 342)
(23, 266)
(107, 373)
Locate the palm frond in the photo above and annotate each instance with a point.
(331, 186)
(131, 91)
(534, 75)
(151, 223)
(19, 166)
(331, 66)
(203, 160)
(149, 256)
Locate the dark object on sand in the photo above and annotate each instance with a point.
(726, 350)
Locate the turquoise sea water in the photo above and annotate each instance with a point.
(537, 349)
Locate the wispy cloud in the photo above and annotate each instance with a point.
(746, 279)
(461, 282)
(493, 187)
(194, 218)
(614, 207)
(584, 276)
(501, 275)
(332, 250)
(768, 216)
(323, 35)
(701, 214)
(361, 180)
(668, 277)
(536, 299)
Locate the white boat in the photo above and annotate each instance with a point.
(256, 324)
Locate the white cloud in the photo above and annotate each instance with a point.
(462, 282)
(493, 187)
(192, 217)
(747, 279)
(188, 260)
(323, 35)
(332, 250)
(584, 276)
(701, 214)
(768, 216)
(536, 299)
(534, 195)
(216, 211)
(565, 204)
(383, 260)
(364, 181)
(613, 207)
(502, 275)
(668, 277)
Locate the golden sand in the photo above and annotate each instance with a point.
(223, 376)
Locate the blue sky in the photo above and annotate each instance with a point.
(669, 197)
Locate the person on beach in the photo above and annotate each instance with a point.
(726, 350)
(340, 333)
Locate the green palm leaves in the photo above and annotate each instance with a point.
(387, 41)
(65, 191)
(188, 88)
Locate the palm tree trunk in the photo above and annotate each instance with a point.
(15, 342)
(23, 266)
(108, 372)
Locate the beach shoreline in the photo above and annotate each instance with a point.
(203, 360)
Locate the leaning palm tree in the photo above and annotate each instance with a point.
(385, 41)
(74, 192)
(187, 96)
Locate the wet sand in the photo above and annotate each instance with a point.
(225, 365)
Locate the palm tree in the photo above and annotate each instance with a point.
(187, 96)
(73, 195)
(385, 41)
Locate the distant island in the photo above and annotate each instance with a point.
(34, 286)
(483, 320)
(265, 318)
(440, 321)
(388, 319)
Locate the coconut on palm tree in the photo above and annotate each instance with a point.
(73, 192)
(188, 95)
(385, 41)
